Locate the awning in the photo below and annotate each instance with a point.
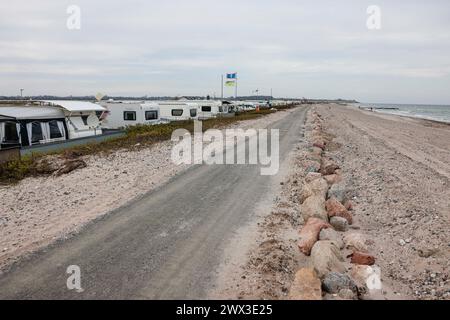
(75, 106)
(31, 113)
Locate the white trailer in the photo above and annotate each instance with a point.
(82, 118)
(210, 109)
(176, 110)
(120, 115)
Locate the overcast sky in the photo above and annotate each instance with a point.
(315, 49)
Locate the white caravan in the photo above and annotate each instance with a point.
(176, 110)
(120, 115)
(210, 109)
(30, 123)
(82, 118)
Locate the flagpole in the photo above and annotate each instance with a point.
(236, 88)
(222, 87)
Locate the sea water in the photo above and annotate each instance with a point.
(430, 112)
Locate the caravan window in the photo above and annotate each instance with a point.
(177, 112)
(129, 115)
(193, 113)
(151, 115)
(55, 133)
(11, 134)
(206, 109)
(36, 132)
(85, 119)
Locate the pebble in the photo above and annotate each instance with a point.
(401, 242)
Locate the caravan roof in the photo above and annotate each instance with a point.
(75, 106)
(23, 113)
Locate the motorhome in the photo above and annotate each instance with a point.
(176, 110)
(120, 115)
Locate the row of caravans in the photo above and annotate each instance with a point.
(123, 114)
(38, 122)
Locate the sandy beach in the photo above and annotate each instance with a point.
(398, 173)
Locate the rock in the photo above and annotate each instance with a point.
(335, 281)
(339, 223)
(48, 165)
(332, 179)
(310, 234)
(317, 151)
(312, 166)
(314, 207)
(347, 294)
(367, 277)
(335, 208)
(70, 165)
(326, 257)
(401, 242)
(362, 258)
(332, 235)
(338, 191)
(355, 241)
(319, 144)
(348, 205)
(427, 252)
(306, 286)
(317, 187)
(311, 176)
(328, 167)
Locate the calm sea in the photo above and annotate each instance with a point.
(431, 112)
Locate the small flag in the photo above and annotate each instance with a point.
(230, 83)
(232, 75)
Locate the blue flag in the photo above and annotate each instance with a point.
(231, 75)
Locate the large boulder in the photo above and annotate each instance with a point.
(326, 257)
(311, 176)
(332, 235)
(310, 234)
(332, 178)
(314, 206)
(316, 187)
(335, 282)
(306, 286)
(368, 278)
(339, 224)
(335, 208)
(338, 191)
(355, 241)
(328, 166)
(362, 258)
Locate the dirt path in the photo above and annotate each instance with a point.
(398, 170)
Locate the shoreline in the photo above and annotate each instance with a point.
(418, 117)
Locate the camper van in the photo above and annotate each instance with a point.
(176, 110)
(119, 115)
